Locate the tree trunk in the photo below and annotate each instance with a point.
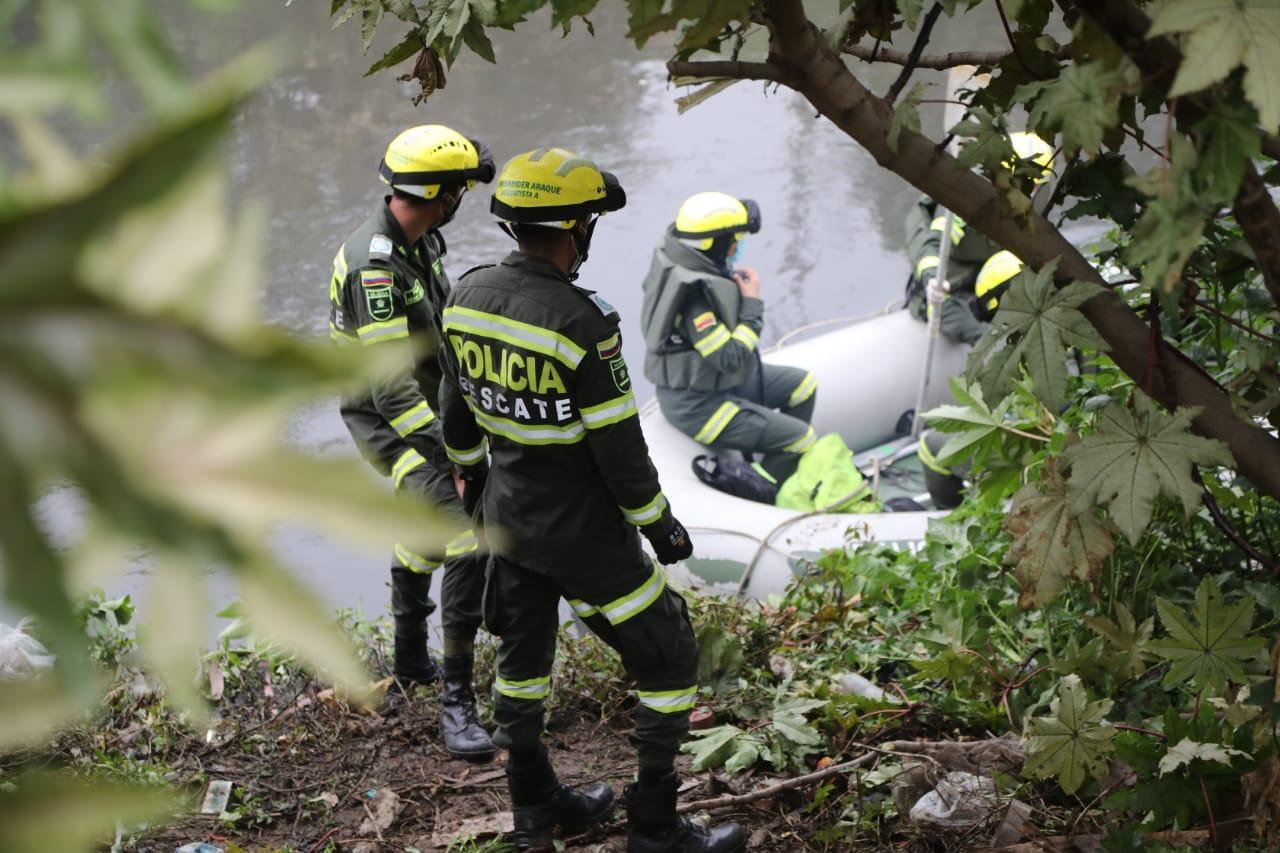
(800, 58)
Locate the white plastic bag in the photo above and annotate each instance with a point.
(21, 655)
(959, 801)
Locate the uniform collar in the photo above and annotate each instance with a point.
(541, 266)
(689, 258)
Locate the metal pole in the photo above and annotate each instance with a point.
(951, 115)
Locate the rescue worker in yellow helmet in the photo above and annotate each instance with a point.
(387, 290)
(534, 379)
(702, 317)
(965, 317)
(946, 483)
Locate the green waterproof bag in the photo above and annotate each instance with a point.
(827, 480)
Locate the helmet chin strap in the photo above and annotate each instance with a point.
(581, 246)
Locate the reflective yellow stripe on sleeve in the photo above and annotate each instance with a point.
(581, 608)
(405, 463)
(668, 701)
(647, 514)
(804, 390)
(957, 227)
(467, 457)
(717, 422)
(746, 336)
(524, 335)
(634, 603)
(387, 330)
(609, 412)
(713, 340)
(533, 689)
(927, 263)
(413, 419)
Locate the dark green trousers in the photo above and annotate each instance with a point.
(768, 414)
(462, 588)
(629, 606)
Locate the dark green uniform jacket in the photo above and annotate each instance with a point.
(969, 251)
(533, 368)
(700, 332)
(383, 290)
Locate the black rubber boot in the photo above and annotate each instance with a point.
(460, 727)
(411, 605)
(540, 802)
(654, 827)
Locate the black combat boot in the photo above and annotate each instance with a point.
(540, 802)
(460, 727)
(654, 827)
(411, 605)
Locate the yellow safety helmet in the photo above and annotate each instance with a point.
(706, 216)
(1028, 146)
(422, 158)
(555, 188)
(993, 279)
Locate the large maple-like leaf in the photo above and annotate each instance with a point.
(1128, 642)
(1036, 323)
(1222, 35)
(1133, 456)
(1051, 543)
(1073, 741)
(974, 426)
(1082, 104)
(1209, 647)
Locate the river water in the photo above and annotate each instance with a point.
(310, 142)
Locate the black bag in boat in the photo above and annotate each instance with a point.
(735, 476)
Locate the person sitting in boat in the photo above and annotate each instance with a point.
(967, 310)
(702, 318)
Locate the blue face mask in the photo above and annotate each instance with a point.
(736, 255)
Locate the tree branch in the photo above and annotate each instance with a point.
(731, 69)
(922, 39)
(815, 71)
(943, 61)
(1159, 59)
(773, 790)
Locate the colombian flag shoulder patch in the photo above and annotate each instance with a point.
(704, 321)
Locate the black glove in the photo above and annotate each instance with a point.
(473, 479)
(671, 543)
(486, 170)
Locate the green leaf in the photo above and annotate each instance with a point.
(709, 18)
(789, 721)
(1230, 143)
(1209, 646)
(977, 428)
(1224, 34)
(719, 657)
(1051, 543)
(710, 748)
(1187, 750)
(1043, 321)
(911, 10)
(906, 114)
(1173, 219)
(1135, 456)
(410, 46)
(1082, 104)
(641, 12)
(1127, 641)
(474, 36)
(369, 20)
(56, 813)
(989, 147)
(1073, 741)
(745, 755)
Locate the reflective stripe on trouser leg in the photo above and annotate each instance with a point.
(658, 650)
(803, 443)
(414, 561)
(717, 422)
(803, 391)
(522, 608)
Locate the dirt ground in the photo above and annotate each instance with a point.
(312, 776)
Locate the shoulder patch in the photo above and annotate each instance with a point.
(376, 278)
(380, 246)
(603, 304)
(610, 347)
(704, 321)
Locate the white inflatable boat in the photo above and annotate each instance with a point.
(868, 374)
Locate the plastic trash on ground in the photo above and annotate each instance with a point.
(959, 801)
(21, 655)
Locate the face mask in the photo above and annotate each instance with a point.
(736, 254)
(451, 210)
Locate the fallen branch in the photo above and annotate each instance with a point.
(787, 785)
(936, 61)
